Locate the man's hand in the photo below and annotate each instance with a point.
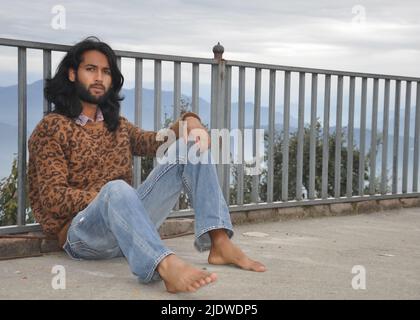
(196, 130)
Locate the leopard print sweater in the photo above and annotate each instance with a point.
(69, 164)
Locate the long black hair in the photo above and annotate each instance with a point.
(61, 92)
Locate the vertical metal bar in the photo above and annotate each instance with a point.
(241, 125)
(177, 106)
(177, 90)
(325, 140)
(46, 63)
(22, 109)
(363, 108)
(213, 102)
(138, 95)
(301, 131)
(220, 109)
(350, 133)
(158, 93)
(257, 111)
(228, 107)
(285, 151)
(416, 141)
(271, 130)
(396, 137)
(372, 176)
(406, 136)
(157, 99)
(384, 174)
(312, 143)
(337, 160)
(195, 88)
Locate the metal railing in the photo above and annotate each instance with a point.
(221, 104)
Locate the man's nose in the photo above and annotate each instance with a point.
(99, 76)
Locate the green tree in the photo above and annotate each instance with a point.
(9, 201)
(293, 144)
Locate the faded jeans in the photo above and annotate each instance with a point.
(124, 221)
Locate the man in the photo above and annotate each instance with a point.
(80, 176)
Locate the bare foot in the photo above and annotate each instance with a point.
(179, 276)
(223, 251)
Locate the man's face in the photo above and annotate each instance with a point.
(93, 77)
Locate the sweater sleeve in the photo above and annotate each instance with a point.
(146, 143)
(58, 200)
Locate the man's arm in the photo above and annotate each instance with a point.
(144, 143)
(58, 199)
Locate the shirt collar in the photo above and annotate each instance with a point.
(83, 119)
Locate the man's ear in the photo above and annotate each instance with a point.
(72, 75)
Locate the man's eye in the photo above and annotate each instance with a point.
(89, 69)
(108, 72)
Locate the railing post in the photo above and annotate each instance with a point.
(46, 75)
(218, 106)
(22, 109)
(138, 115)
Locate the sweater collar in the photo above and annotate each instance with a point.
(82, 119)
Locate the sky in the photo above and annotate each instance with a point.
(364, 35)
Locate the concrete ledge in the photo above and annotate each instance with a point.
(261, 215)
(391, 204)
(172, 227)
(410, 202)
(35, 244)
(317, 211)
(368, 206)
(324, 210)
(291, 213)
(19, 248)
(341, 209)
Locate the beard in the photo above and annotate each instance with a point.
(86, 96)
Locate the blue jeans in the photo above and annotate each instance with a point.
(124, 221)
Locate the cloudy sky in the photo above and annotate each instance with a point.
(364, 35)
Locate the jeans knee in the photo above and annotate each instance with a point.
(117, 187)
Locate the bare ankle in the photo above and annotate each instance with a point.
(218, 236)
(164, 264)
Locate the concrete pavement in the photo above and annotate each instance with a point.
(306, 259)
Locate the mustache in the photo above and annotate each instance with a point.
(97, 86)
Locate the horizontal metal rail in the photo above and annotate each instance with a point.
(120, 53)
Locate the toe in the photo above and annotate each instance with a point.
(259, 267)
(191, 289)
(213, 277)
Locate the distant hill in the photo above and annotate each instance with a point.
(9, 107)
